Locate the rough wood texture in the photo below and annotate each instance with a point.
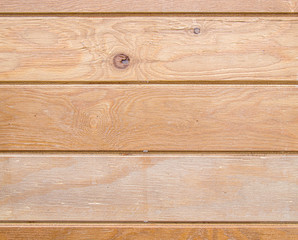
(148, 231)
(159, 48)
(149, 117)
(148, 187)
(148, 6)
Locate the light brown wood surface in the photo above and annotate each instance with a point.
(148, 187)
(133, 6)
(148, 231)
(149, 117)
(167, 49)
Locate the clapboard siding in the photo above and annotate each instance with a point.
(148, 187)
(148, 231)
(161, 49)
(130, 119)
(132, 6)
(149, 117)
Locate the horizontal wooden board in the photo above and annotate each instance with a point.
(148, 187)
(133, 6)
(168, 49)
(148, 231)
(149, 117)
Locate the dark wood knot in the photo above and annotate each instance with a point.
(121, 61)
(196, 30)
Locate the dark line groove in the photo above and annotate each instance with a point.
(150, 222)
(160, 82)
(151, 14)
(145, 153)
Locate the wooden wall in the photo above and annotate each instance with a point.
(149, 119)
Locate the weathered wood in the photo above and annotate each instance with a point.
(148, 231)
(149, 117)
(161, 49)
(133, 6)
(148, 187)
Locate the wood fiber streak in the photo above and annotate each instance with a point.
(148, 187)
(148, 231)
(132, 6)
(149, 117)
(163, 49)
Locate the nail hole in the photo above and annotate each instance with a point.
(121, 61)
(196, 30)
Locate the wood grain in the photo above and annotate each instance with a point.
(148, 231)
(162, 49)
(149, 117)
(132, 6)
(148, 187)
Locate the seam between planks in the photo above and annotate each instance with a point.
(148, 14)
(148, 152)
(160, 82)
(147, 224)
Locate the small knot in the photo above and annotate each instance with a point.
(121, 61)
(196, 30)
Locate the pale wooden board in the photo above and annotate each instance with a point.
(81, 49)
(133, 6)
(149, 117)
(148, 187)
(148, 231)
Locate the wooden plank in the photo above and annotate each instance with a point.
(148, 231)
(132, 6)
(166, 49)
(149, 117)
(148, 187)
